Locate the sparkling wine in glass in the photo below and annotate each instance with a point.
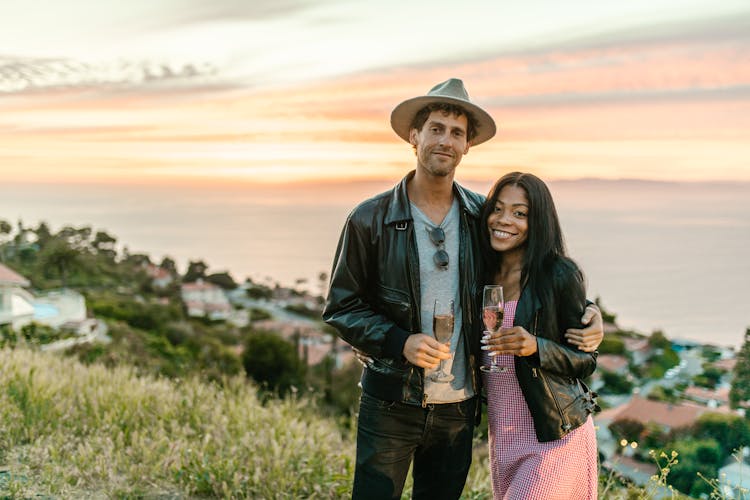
(493, 309)
(443, 320)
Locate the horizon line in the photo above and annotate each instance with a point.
(245, 182)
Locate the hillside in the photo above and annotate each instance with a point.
(69, 430)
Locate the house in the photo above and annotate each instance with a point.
(639, 349)
(666, 415)
(18, 307)
(205, 300)
(712, 398)
(16, 304)
(312, 344)
(160, 277)
(612, 363)
(726, 364)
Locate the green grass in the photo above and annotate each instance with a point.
(69, 430)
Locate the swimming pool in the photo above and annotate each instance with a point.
(43, 310)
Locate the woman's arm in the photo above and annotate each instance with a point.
(556, 354)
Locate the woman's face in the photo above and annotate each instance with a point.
(508, 223)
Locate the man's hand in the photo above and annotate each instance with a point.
(588, 339)
(362, 356)
(424, 351)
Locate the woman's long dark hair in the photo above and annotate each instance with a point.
(545, 247)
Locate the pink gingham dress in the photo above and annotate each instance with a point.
(522, 467)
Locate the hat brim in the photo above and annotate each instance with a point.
(404, 113)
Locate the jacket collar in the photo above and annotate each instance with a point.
(399, 209)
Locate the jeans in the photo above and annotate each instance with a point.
(390, 434)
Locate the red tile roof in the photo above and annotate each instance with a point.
(9, 277)
(720, 395)
(726, 364)
(199, 286)
(645, 411)
(611, 362)
(635, 344)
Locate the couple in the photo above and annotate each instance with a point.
(427, 240)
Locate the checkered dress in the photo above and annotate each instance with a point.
(522, 467)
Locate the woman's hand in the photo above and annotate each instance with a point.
(515, 340)
(588, 339)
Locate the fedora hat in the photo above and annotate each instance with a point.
(451, 91)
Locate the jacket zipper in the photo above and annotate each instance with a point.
(411, 252)
(566, 425)
(467, 320)
(538, 374)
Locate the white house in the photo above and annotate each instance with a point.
(16, 304)
(160, 278)
(205, 300)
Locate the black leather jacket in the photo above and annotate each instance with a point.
(374, 297)
(551, 379)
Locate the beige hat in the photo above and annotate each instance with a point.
(450, 91)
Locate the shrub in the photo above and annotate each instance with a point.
(615, 384)
(272, 362)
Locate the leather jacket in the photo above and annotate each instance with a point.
(552, 379)
(374, 297)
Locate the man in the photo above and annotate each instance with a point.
(399, 252)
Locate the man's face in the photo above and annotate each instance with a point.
(441, 143)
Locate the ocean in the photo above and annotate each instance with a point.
(667, 256)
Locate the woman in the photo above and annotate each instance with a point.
(542, 439)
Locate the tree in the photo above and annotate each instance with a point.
(224, 280)
(739, 394)
(272, 361)
(627, 429)
(615, 384)
(730, 431)
(658, 340)
(168, 264)
(323, 287)
(77, 238)
(695, 455)
(710, 377)
(59, 258)
(43, 234)
(612, 345)
(104, 244)
(5, 229)
(196, 270)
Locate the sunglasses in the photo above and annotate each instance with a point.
(437, 236)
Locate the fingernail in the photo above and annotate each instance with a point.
(493, 353)
(485, 340)
(485, 348)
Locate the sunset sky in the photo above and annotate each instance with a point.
(301, 90)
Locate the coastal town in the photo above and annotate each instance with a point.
(650, 387)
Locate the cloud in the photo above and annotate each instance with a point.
(198, 11)
(21, 75)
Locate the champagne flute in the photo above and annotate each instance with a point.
(442, 326)
(493, 310)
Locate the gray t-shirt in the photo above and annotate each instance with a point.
(443, 285)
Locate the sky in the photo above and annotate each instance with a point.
(278, 91)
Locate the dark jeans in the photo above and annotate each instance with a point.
(390, 434)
